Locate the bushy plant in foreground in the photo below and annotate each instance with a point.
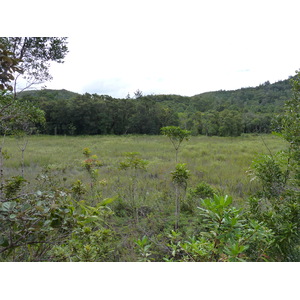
(227, 234)
(282, 216)
(279, 204)
(267, 169)
(31, 224)
(144, 249)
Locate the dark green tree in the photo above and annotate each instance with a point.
(230, 123)
(210, 123)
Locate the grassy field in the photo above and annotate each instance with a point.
(220, 162)
(144, 200)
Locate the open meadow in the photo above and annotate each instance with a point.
(221, 162)
(138, 189)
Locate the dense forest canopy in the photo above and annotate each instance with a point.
(222, 113)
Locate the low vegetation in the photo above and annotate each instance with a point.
(169, 197)
(126, 185)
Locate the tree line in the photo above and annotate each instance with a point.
(221, 113)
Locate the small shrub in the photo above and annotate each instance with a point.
(267, 170)
(202, 190)
(192, 201)
(226, 235)
(78, 188)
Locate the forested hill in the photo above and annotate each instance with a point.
(263, 98)
(223, 113)
(47, 94)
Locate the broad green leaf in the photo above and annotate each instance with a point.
(107, 201)
(8, 206)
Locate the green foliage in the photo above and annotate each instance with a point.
(34, 55)
(32, 223)
(16, 115)
(179, 178)
(222, 113)
(176, 135)
(226, 235)
(78, 188)
(291, 129)
(13, 186)
(202, 190)
(279, 206)
(143, 249)
(134, 164)
(180, 175)
(58, 218)
(73, 114)
(268, 171)
(91, 164)
(291, 116)
(282, 216)
(87, 245)
(132, 161)
(8, 66)
(87, 152)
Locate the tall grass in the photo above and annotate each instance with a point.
(221, 162)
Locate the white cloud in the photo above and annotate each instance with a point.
(183, 47)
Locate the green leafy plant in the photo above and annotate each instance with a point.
(282, 216)
(180, 178)
(87, 245)
(226, 235)
(279, 204)
(134, 163)
(13, 186)
(194, 195)
(8, 66)
(202, 190)
(176, 135)
(91, 164)
(31, 224)
(268, 171)
(79, 188)
(143, 249)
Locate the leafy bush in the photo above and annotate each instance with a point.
(201, 191)
(31, 224)
(268, 171)
(282, 216)
(86, 245)
(226, 235)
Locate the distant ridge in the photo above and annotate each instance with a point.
(57, 94)
(265, 98)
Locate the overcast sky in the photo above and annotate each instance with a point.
(170, 47)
